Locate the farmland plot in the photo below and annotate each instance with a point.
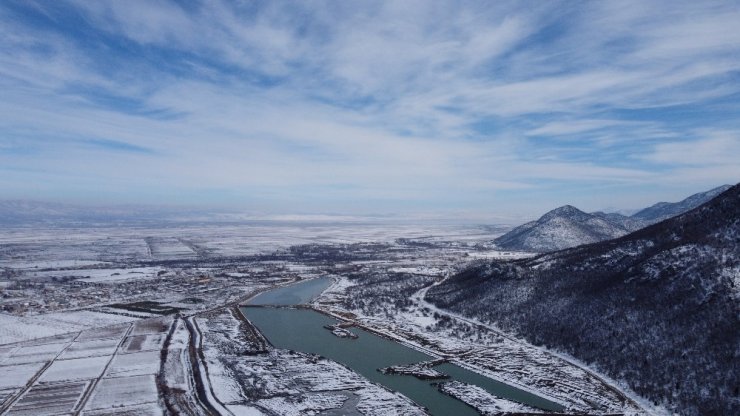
(15, 376)
(54, 339)
(86, 319)
(110, 276)
(148, 409)
(123, 391)
(136, 364)
(92, 348)
(35, 353)
(49, 399)
(6, 351)
(152, 326)
(90, 371)
(113, 332)
(6, 394)
(165, 248)
(75, 369)
(24, 328)
(149, 342)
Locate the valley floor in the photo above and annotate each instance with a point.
(93, 328)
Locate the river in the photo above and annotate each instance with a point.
(302, 330)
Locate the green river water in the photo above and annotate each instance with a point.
(302, 330)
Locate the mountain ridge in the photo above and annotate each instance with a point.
(563, 227)
(567, 226)
(664, 210)
(657, 308)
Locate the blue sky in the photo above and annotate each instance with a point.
(477, 109)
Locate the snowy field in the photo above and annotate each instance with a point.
(20, 328)
(90, 371)
(95, 275)
(135, 321)
(39, 249)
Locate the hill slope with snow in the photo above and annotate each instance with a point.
(560, 228)
(658, 308)
(567, 226)
(665, 210)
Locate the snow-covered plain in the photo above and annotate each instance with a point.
(111, 349)
(41, 248)
(21, 328)
(95, 275)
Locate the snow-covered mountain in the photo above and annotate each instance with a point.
(561, 228)
(628, 223)
(658, 308)
(568, 226)
(665, 210)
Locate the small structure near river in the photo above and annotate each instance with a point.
(340, 330)
(422, 370)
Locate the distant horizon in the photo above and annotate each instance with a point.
(237, 214)
(471, 110)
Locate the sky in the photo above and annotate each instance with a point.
(478, 109)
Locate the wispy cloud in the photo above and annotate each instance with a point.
(401, 103)
(118, 146)
(707, 147)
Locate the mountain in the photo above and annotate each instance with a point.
(561, 228)
(665, 210)
(628, 223)
(657, 309)
(568, 226)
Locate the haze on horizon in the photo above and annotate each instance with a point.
(369, 107)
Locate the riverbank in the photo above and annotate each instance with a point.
(478, 348)
(281, 381)
(299, 328)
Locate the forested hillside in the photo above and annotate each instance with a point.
(657, 308)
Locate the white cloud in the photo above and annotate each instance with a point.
(380, 98)
(713, 148)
